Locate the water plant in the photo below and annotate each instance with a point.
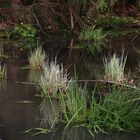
(92, 34)
(118, 110)
(54, 80)
(76, 104)
(3, 71)
(114, 68)
(37, 58)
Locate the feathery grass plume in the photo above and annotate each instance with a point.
(37, 59)
(92, 34)
(54, 80)
(114, 68)
(3, 71)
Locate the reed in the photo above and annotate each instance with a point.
(37, 59)
(54, 80)
(114, 68)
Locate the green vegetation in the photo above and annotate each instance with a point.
(37, 59)
(3, 71)
(91, 33)
(114, 68)
(54, 80)
(115, 22)
(118, 110)
(25, 31)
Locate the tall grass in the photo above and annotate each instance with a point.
(54, 80)
(114, 68)
(37, 59)
(119, 110)
(76, 104)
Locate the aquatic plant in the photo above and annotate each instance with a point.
(37, 59)
(54, 80)
(3, 71)
(92, 34)
(114, 68)
(115, 111)
(118, 110)
(76, 104)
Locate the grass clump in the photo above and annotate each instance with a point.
(92, 34)
(54, 80)
(119, 110)
(37, 59)
(75, 105)
(114, 68)
(3, 71)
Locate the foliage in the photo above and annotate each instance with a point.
(114, 68)
(92, 34)
(76, 106)
(37, 59)
(118, 110)
(104, 5)
(25, 30)
(115, 21)
(54, 80)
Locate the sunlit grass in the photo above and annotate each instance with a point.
(54, 80)
(37, 59)
(114, 68)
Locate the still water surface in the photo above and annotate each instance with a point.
(20, 109)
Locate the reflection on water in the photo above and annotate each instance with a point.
(3, 84)
(49, 113)
(34, 76)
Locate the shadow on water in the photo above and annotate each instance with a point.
(20, 109)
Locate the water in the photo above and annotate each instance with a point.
(21, 110)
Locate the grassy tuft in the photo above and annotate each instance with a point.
(54, 80)
(114, 68)
(37, 59)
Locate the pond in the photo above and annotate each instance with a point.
(21, 109)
